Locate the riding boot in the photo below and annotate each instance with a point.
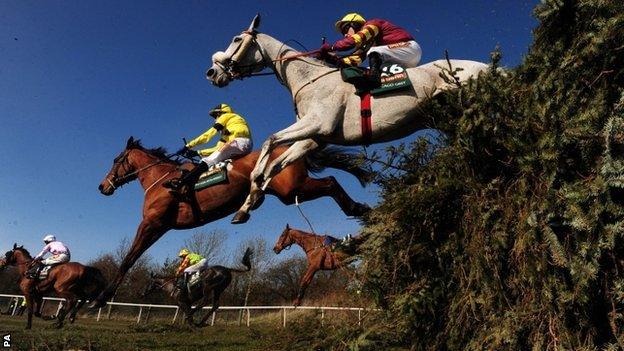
(182, 281)
(188, 178)
(33, 272)
(373, 76)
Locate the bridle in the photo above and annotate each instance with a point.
(284, 238)
(232, 66)
(116, 182)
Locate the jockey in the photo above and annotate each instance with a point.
(191, 263)
(235, 142)
(60, 254)
(377, 38)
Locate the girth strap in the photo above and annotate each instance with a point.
(366, 115)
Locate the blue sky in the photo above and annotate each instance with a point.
(77, 78)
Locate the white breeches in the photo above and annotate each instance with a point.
(56, 259)
(197, 266)
(234, 149)
(407, 53)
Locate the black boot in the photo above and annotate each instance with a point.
(373, 76)
(188, 178)
(33, 272)
(182, 282)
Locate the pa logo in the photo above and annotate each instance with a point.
(6, 341)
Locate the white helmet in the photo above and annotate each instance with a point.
(49, 238)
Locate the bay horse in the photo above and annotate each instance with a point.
(163, 211)
(72, 281)
(213, 281)
(319, 255)
(328, 110)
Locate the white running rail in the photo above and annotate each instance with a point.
(242, 309)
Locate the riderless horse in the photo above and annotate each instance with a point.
(328, 110)
(72, 281)
(162, 211)
(320, 255)
(213, 281)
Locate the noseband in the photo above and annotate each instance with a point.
(232, 67)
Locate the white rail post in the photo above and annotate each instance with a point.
(149, 309)
(175, 315)
(322, 315)
(284, 320)
(99, 313)
(15, 306)
(248, 316)
(140, 312)
(58, 309)
(360, 317)
(110, 307)
(214, 314)
(42, 304)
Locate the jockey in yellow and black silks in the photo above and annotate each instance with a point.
(235, 142)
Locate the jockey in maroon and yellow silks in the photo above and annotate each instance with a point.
(378, 39)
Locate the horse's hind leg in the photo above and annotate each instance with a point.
(71, 304)
(72, 315)
(216, 294)
(328, 186)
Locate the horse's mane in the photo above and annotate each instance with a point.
(159, 152)
(23, 250)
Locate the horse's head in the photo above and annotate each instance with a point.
(122, 171)
(284, 241)
(242, 58)
(15, 256)
(155, 283)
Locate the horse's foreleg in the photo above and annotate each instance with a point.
(147, 234)
(303, 285)
(303, 129)
(29, 306)
(296, 151)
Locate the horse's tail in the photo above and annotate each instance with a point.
(95, 282)
(246, 261)
(339, 158)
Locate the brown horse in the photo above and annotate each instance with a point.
(214, 280)
(320, 255)
(163, 211)
(72, 281)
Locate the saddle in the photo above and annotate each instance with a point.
(393, 77)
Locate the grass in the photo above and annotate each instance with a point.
(304, 331)
(87, 334)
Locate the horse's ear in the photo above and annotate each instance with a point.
(130, 142)
(287, 226)
(255, 23)
(14, 246)
(152, 275)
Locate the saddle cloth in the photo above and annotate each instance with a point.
(215, 175)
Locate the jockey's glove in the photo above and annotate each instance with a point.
(191, 153)
(182, 151)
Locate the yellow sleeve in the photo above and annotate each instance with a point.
(202, 139)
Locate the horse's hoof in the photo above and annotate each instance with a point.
(240, 217)
(256, 199)
(360, 210)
